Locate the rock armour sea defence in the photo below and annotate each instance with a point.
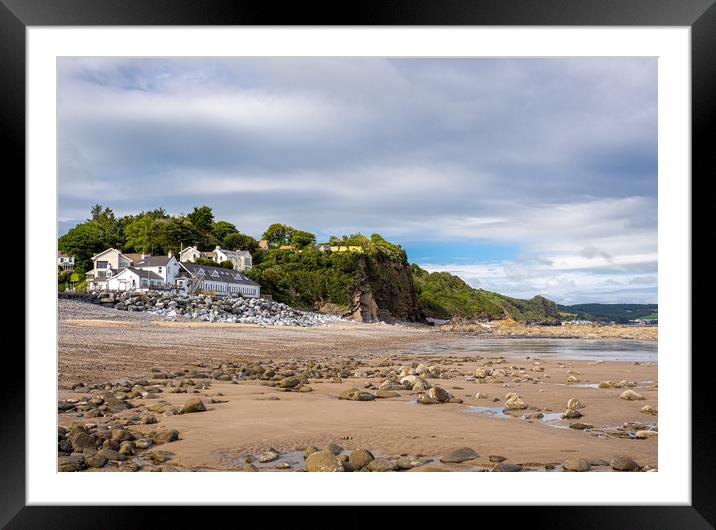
(200, 307)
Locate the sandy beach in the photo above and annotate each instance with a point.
(247, 416)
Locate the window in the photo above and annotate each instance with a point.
(101, 264)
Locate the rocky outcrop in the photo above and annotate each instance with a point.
(386, 291)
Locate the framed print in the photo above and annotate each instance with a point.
(452, 240)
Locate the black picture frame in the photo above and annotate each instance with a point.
(699, 15)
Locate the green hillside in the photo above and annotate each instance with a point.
(443, 295)
(620, 313)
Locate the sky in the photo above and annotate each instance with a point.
(522, 176)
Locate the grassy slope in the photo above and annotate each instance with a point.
(620, 313)
(443, 295)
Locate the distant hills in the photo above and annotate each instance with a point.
(620, 313)
(443, 295)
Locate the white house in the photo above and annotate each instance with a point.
(166, 267)
(190, 254)
(116, 271)
(66, 262)
(240, 259)
(106, 264)
(219, 280)
(133, 278)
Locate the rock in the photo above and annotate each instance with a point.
(424, 399)
(576, 464)
(574, 404)
(572, 379)
(333, 448)
(353, 394)
(159, 457)
(623, 463)
(385, 394)
(192, 405)
(269, 456)
(497, 458)
(382, 465)
(309, 451)
(480, 395)
(163, 437)
(605, 384)
(643, 435)
(95, 460)
(596, 462)
(457, 456)
(580, 426)
(504, 467)
(126, 448)
(121, 435)
(439, 394)
(390, 385)
(571, 414)
(630, 395)
(323, 461)
(111, 454)
(143, 443)
(647, 409)
(534, 415)
(289, 382)
(73, 462)
(81, 441)
(483, 372)
(515, 402)
(359, 458)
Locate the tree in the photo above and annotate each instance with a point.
(226, 264)
(202, 218)
(175, 232)
(221, 229)
(84, 241)
(301, 238)
(278, 234)
(104, 218)
(141, 234)
(239, 241)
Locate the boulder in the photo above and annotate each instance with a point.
(73, 462)
(623, 463)
(459, 455)
(354, 394)
(515, 402)
(382, 465)
(359, 458)
(576, 464)
(323, 461)
(630, 395)
(192, 405)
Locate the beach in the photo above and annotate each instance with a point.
(275, 390)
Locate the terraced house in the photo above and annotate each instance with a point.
(194, 278)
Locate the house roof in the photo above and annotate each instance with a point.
(153, 261)
(142, 274)
(233, 254)
(109, 250)
(135, 256)
(287, 247)
(217, 274)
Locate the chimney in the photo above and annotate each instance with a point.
(169, 253)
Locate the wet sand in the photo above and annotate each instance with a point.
(94, 350)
